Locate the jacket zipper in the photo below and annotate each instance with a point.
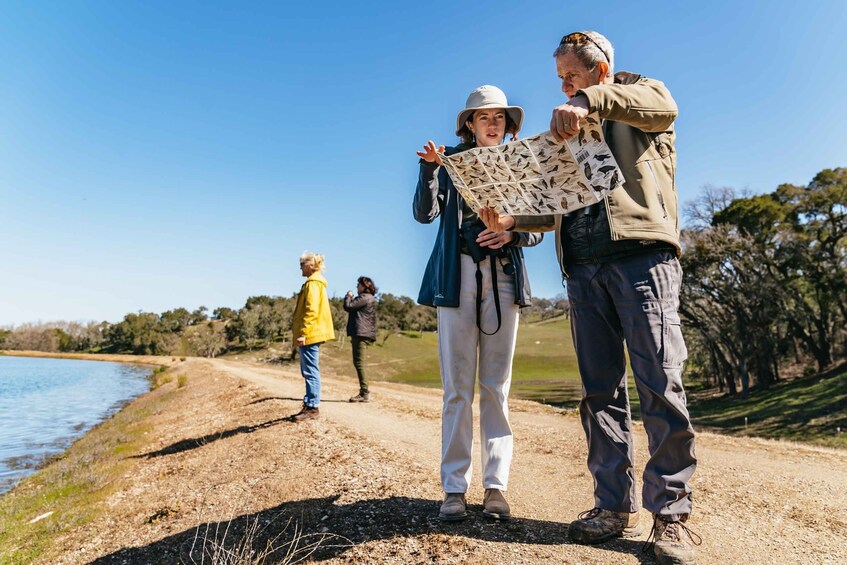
(658, 190)
(609, 219)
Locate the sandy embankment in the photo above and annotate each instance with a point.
(220, 454)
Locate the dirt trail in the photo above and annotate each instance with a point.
(369, 473)
(770, 501)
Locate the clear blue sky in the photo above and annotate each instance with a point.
(164, 154)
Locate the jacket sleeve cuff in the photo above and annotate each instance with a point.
(534, 223)
(592, 95)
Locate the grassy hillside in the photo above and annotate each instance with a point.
(544, 370)
(810, 409)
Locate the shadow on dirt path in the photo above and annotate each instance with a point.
(325, 530)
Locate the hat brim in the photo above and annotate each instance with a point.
(515, 112)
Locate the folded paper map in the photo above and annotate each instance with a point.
(537, 175)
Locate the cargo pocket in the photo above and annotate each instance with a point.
(674, 352)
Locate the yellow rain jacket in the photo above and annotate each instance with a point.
(312, 316)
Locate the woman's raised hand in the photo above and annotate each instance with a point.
(430, 154)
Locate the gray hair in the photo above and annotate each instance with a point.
(596, 49)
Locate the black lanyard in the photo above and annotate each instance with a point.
(493, 262)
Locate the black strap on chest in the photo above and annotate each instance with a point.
(493, 261)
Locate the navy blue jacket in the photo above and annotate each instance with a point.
(436, 196)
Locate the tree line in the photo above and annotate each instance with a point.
(262, 321)
(764, 281)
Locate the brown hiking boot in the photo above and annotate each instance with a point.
(307, 413)
(454, 508)
(598, 525)
(495, 505)
(361, 397)
(673, 542)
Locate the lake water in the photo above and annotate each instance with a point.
(45, 404)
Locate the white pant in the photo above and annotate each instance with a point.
(459, 342)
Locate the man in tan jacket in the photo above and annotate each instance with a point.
(623, 278)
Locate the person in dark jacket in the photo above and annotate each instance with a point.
(361, 327)
(478, 282)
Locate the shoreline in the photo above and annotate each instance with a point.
(151, 360)
(71, 488)
(24, 465)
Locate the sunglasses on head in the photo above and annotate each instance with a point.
(579, 38)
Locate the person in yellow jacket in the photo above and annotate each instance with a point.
(312, 327)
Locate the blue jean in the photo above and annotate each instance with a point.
(310, 369)
(633, 301)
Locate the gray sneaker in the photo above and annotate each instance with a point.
(361, 397)
(454, 508)
(598, 525)
(673, 542)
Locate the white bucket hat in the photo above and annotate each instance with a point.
(487, 96)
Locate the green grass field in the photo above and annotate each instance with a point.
(544, 369)
(810, 409)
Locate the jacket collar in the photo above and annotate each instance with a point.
(624, 77)
(316, 277)
(459, 148)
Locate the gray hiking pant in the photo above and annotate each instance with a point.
(633, 300)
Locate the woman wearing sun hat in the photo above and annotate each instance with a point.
(476, 320)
